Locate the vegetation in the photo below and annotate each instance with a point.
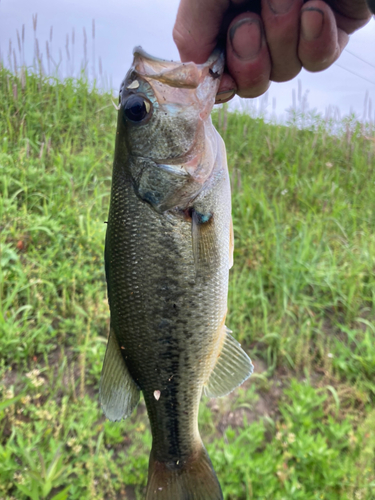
(302, 302)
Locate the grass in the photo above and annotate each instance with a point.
(301, 300)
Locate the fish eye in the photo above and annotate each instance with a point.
(136, 108)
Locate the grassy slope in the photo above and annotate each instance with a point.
(301, 300)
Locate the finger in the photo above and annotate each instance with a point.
(371, 5)
(350, 14)
(202, 24)
(248, 60)
(197, 27)
(281, 26)
(321, 42)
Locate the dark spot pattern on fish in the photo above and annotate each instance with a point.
(164, 323)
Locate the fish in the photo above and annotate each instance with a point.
(168, 251)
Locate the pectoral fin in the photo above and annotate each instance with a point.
(119, 394)
(232, 368)
(205, 247)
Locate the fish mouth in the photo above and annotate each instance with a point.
(174, 90)
(187, 75)
(216, 55)
(139, 51)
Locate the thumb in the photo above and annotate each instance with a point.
(201, 23)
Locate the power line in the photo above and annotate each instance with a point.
(360, 58)
(353, 73)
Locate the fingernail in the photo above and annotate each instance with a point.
(312, 21)
(246, 38)
(224, 96)
(280, 6)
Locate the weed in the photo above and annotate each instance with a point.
(301, 302)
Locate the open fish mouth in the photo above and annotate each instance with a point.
(187, 75)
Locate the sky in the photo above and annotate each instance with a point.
(347, 87)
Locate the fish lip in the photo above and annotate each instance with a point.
(177, 170)
(174, 169)
(138, 50)
(216, 59)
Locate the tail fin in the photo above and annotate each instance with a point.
(192, 479)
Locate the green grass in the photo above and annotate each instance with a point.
(302, 302)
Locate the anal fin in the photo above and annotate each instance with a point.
(232, 368)
(118, 392)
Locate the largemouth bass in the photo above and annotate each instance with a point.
(169, 247)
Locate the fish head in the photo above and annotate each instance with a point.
(164, 127)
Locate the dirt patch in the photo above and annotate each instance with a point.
(9, 378)
(259, 399)
(129, 494)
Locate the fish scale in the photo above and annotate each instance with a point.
(143, 297)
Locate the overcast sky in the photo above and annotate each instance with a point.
(122, 24)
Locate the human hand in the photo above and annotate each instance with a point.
(371, 4)
(266, 40)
